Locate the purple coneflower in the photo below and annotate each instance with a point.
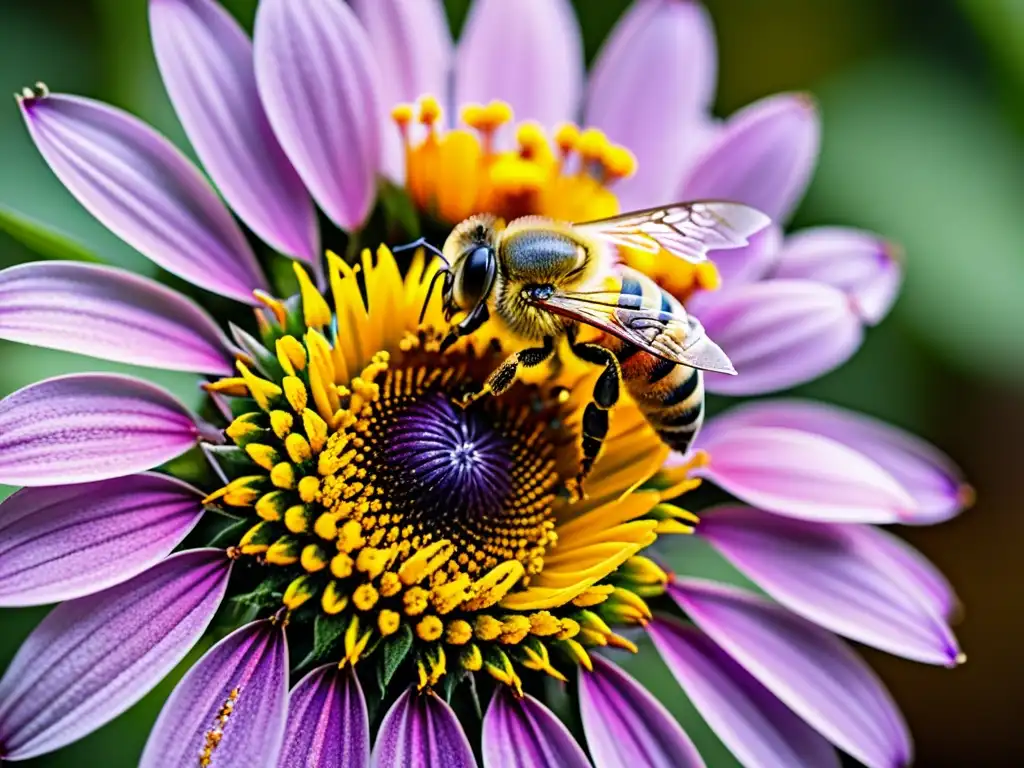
(414, 572)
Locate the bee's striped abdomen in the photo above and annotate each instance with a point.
(676, 408)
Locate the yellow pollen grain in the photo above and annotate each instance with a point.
(430, 110)
(365, 597)
(592, 144)
(429, 628)
(295, 393)
(619, 162)
(326, 526)
(567, 136)
(334, 600)
(315, 311)
(298, 448)
(388, 622)
(402, 114)
(283, 476)
(486, 628)
(415, 601)
(342, 565)
(514, 629)
(313, 558)
(544, 624)
(458, 632)
(350, 536)
(309, 487)
(298, 518)
(390, 584)
(281, 422)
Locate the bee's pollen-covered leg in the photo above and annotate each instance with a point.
(505, 375)
(595, 417)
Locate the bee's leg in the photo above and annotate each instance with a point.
(505, 375)
(595, 417)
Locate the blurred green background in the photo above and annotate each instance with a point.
(923, 104)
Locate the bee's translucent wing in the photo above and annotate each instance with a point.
(687, 230)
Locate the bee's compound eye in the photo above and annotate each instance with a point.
(475, 276)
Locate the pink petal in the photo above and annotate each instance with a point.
(111, 314)
(778, 333)
(626, 726)
(651, 89)
(320, 86)
(764, 157)
(327, 721)
(936, 484)
(520, 732)
(756, 727)
(808, 669)
(860, 264)
(801, 475)
(69, 541)
(249, 668)
(92, 658)
(420, 730)
(145, 191)
(413, 48)
(832, 575)
(528, 53)
(92, 426)
(750, 263)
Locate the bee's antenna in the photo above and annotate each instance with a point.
(430, 290)
(422, 243)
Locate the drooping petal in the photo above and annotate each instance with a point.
(92, 658)
(328, 724)
(756, 727)
(207, 65)
(778, 333)
(831, 574)
(414, 50)
(111, 314)
(69, 541)
(809, 670)
(320, 86)
(928, 475)
(650, 89)
(233, 702)
(86, 427)
(764, 157)
(751, 262)
(861, 264)
(145, 191)
(528, 53)
(801, 475)
(626, 726)
(418, 730)
(523, 733)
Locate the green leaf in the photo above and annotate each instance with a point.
(327, 633)
(394, 651)
(43, 241)
(399, 210)
(232, 460)
(230, 534)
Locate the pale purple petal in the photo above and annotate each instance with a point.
(809, 670)
(650, 89)
(419, 730)
(929, 583)
(249, 668)
(320, 86)
(751, 262)
(764, 157)
(832, 575)
(801, 475)
(92, 658)
(69, 541)
(207, 65)
(861, 264)
(86, 427)
(414, 51)
(145, 191)
(778, 333)
(523, 733)
(756, 727)
(528, 53)
(328, 725)
(928, 475)
(626, 726)
(111, 314)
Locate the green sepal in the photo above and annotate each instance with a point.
(267, 593)
(43, 241)
(229, 535)
(242, 405)
(327, 634)
(232, 460)
(394, 650)
(266, 362)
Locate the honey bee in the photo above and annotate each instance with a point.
(544, 279)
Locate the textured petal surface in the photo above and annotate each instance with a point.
(413, 49)
(763, 157)
(528, 53)
(92, 658)
(420, 730)
(756, 727)
(328, 724)
(319, 84)
(626, 726)
(523, 733)
(85, 427)
(252, 664)
(801, 475)
(109, 313)
(207, 65)
(860, 264)
(778, 333)
(928, 475)
(832, 575)
(650, 89)
(808, 669)
(145, 191)
(69, 541)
